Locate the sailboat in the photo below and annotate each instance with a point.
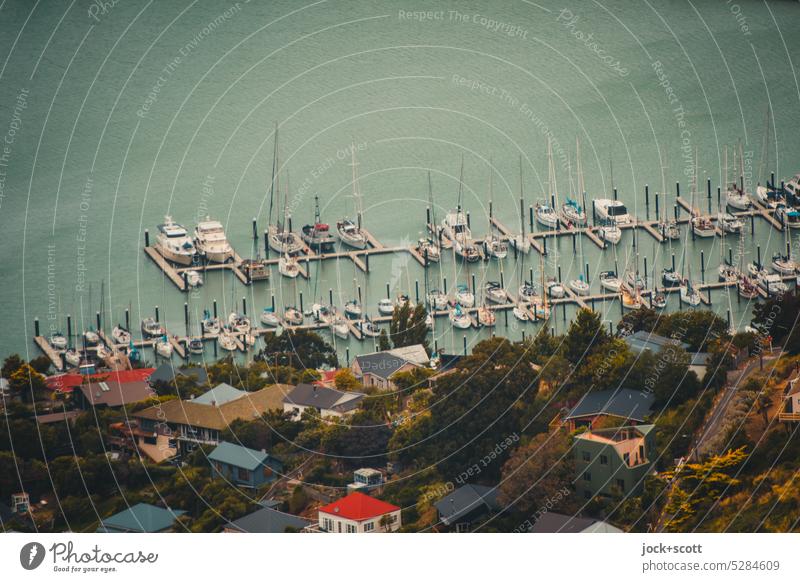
(486, 317)
(288, 265)
(735, 196)
(211, 325)
(494, 292)
(688, 292)
(318, 235)
(280, 238)
(579, 286)
(493, 245)
(572, 212)
(520, 242)
(427, 247)
(702, 226)
(349, 231)
(459, 318)
(455, 227)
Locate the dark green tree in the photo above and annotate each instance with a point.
(408, 325)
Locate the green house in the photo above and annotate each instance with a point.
(613, 461)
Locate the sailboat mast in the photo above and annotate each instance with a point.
(274, 170)
(356, 190)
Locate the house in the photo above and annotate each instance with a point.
(460, 508)
(365, 479)
(178, 426)
(67, 416)
(112, 393)
(613, 461)
(141, 518)
(66, 383)
(790, 409)
(219, 395)
(267, 520)
(551, 522)
(377, 369)
(359, 513)
(166, 373)
(328, 402)
(242, 466)
(631, 406)
(652, 342)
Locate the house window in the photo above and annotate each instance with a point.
(587, 476)
(369, 526)
(603, 460)
(244, 474)
(339, 526)
(641, 453)
(621, 484)
(327, 524)
(351, 528)
(586, 456)
(627, 458)
(462, 527)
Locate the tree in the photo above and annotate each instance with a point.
(11, 364)
(298, 349)
(346, 380)
(28, 383)
(383, 341)
(408, 326)
(586, 334)
(777, 318)
(537, 472)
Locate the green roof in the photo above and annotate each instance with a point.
(142, 517)
(238, 456)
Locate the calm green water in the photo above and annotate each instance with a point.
(116, 116)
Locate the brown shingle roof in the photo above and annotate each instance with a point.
(190, 413)
(113, 393)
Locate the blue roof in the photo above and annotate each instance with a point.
(625, 403)
(645, 340)
(268, 520)
(238, 456)
(220, 394)
(142, 517)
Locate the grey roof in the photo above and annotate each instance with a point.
(323, 398)
(220, 394)
(646, 340)
(700, 359)
(465, 500)
(142, 517)
(625, 403)
(551, 522)
(381, 364)
(238, 456)
(167, 372)
(268, 520)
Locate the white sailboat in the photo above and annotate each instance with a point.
(349, 231)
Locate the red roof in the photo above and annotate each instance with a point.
(358, 507)
(327, 378)
(66, 382)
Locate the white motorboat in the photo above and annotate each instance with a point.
(789, 217)
(350, 234)
(163, 347)
(174, 243)
(555, 289)
(318, 235)
(464, 297)
(91, 337)
(612, 210)
(367, 328)
(293, 316)
(211, 242)
(702, 226)
(459, 318)
(610, 281)
(579, 286)
(211, 325)
(456, 229)
(437, 301)
(546, 215)
(288, 266)
(120, 335)
(573, 213)
(729, 223)
(353, 309)
(72, 357)
(428, 248)
(238, 322)
(195, 346)
(783, 264)
(226, 341)
(151, 328)
(494, 292)
(269, 318)
(58, 341)
(340, 328)
(520, 313)
(385, 307)
(486, 317)
(193, 278)
(670, 277)
(772, 284)
(494, 247)
(610, 233)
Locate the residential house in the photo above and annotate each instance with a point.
(790, 408)
(328, 402)
(552, 522)
(141, 518)
(111, 393)
(460, 508)
(613, 461)
(365, 479)
(359, 513)
(67, 416)
(66, 383)
(377, 369)
(242, 466)
(628, 406)
(178, 426)
(267, 520)
(652, 342)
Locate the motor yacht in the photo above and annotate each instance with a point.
(174, 243)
